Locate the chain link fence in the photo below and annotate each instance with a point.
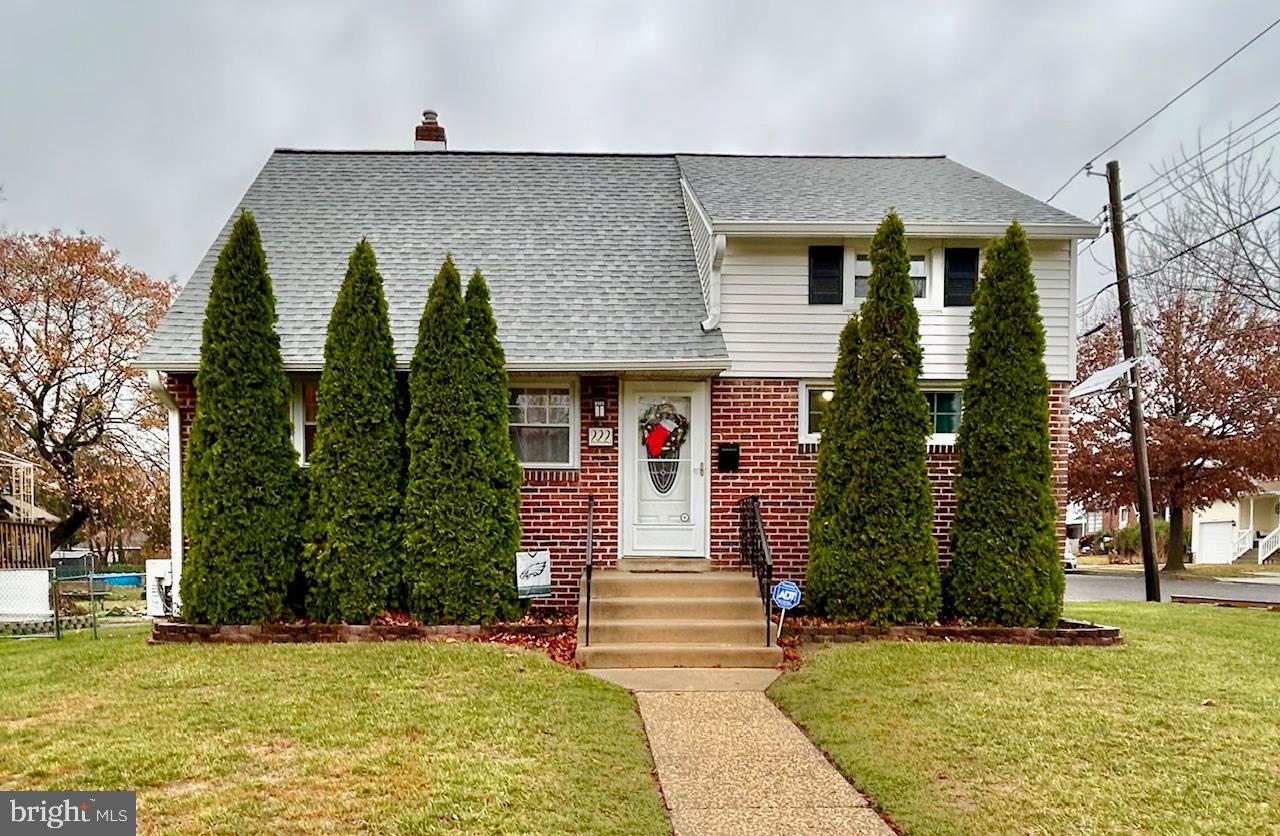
(70, 595)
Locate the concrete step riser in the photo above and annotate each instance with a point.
(709, 585)
(674, 632)
(676, 656)
(720, 609)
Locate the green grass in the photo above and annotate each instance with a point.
(388, 738)
(1176, 732)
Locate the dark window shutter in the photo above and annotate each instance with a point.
(826, 275)
(961, 276)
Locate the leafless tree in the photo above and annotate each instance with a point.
(1214, 192)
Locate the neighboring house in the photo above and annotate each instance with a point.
(1246, 529)
(628, 286)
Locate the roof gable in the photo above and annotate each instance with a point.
(588, 258)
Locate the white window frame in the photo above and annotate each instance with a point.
(807, 437)
(852, 301)
(297, 415)
(575, 418)
(1122, 516)
(943, 439)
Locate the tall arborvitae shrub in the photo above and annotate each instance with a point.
(1004, 562)
(829, 573)
(444, 523)
(242, 490)
(493, 575)
(893, 554)
(353, 555)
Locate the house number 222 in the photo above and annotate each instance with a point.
(600, 436)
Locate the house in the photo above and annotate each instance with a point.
(1245, 529)
(708, 289)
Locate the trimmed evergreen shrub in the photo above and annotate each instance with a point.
(353, 556)
(1005, 566)
(829, 575)
(893, 556)
(494, 572)
(449, 535)
(242, 490)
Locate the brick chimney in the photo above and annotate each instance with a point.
(429, 136)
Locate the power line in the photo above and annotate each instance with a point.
(1194, 247)
(1200, 156)
(1185, 186)
(1162, 109)
(1185, 251)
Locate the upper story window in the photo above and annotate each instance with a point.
(960, 277)
(826, 275)
(815, 398)
(543, 422)
(303, 414)
(862, 275)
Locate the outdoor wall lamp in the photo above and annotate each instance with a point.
(597, 408)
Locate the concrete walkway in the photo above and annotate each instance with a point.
(731, 763)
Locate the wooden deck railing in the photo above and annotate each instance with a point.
(24, 545)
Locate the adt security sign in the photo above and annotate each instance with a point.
(785, 596)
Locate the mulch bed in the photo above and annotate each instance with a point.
(552, 633)
(811, 629)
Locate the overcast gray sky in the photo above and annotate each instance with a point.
(144, 122)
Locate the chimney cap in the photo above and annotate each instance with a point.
(429, 117)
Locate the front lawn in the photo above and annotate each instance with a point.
(1177, 732)
(400, 737)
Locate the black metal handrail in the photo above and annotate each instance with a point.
(753, 549)
(591, 522)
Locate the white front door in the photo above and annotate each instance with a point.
(665, 440)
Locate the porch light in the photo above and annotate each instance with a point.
(828, 394)
(597, 409)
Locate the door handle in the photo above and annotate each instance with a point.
(702, 468)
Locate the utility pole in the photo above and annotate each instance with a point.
(1137, 423)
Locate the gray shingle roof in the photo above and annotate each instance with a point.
(857, 190)
(588, 257)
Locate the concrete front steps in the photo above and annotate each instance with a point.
(675, 620)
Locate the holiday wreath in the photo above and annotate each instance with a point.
(663, 430)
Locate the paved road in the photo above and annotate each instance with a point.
(1130, 588)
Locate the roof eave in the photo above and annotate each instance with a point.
(924, 230)
(708, 364)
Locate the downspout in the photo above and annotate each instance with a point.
(712, 321)
(157, 383)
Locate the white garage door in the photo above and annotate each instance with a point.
(1216, 540)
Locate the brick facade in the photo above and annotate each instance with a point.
(761, 415)
(553, 503)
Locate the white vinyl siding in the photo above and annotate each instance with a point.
(771, 330)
